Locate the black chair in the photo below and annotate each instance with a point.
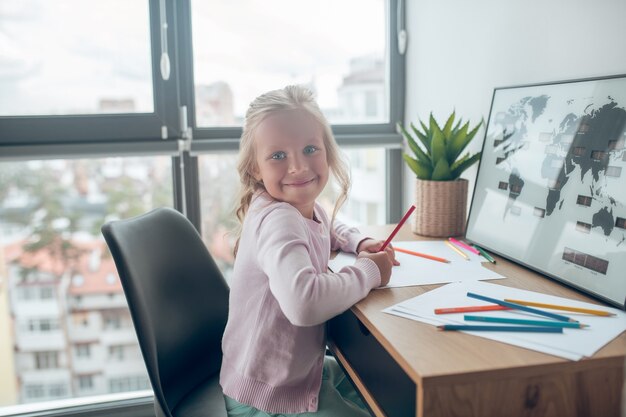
(178, 301)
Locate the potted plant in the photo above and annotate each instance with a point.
(441, 196)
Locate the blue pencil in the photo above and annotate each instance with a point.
(507, 320)
(521, 307)
(534, 329)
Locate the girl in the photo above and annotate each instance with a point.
(281, 290)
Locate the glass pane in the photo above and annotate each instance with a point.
(74, 57)
(219, 184)
(65, 328)
(245, 48)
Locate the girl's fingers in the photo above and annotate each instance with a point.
(392, 254)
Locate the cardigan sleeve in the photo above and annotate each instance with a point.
(345, 238)
(305, 296)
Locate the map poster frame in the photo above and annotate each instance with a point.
(550, 192)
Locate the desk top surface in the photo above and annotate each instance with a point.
(429, 355)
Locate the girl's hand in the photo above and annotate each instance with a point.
(383, 263)
(373, 246)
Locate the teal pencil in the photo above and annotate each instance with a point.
(534, 329)
(484, 254)
(526, 322)
(521, 307)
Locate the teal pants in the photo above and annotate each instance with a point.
(337, 398)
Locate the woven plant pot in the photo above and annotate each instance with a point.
(440, 208)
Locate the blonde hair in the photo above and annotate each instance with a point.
(292, 97)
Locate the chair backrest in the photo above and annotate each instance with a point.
(177, 296)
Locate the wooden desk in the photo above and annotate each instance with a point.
(406, 368)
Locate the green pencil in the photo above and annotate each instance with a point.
(484, 254)
(527, 322)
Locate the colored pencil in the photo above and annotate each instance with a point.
(484, 254)
(423, 255)
(469, 309)
(521, 307)
(468, 327)
(391, 236)
(526, 322)
(457, 250)
(463, 245)
(564, 308)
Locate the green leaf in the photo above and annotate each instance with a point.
(442, 171)
(433, 124)
(448, 126)
(456, 143)
(438, 147)
(426, 130)
(422, 171)
(466, 163)
(419, 153)
(423, 137)
(465, 142)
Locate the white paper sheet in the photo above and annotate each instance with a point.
(414, 270)
(571, 344)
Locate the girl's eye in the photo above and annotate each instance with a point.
(310, 149)
(278, 155)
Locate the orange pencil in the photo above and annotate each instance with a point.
(422, 255)
(564, 308)
(469, 309)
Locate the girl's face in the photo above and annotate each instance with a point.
(291, 159)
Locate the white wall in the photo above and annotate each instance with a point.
(460, 50)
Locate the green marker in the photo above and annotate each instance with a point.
(484, 254)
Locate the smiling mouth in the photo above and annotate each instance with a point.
(300, 183)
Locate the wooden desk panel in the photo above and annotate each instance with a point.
(456, 374)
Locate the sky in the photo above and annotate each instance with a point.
(62, 57)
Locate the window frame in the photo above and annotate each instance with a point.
(217, 139)
(19, 131)
(140, 134)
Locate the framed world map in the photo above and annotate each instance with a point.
(551, 185)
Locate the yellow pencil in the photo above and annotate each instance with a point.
(457, 250)
(564, 308)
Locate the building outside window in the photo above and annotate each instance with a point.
(46, 360)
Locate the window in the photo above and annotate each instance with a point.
(90, 127)
(58, 390)
(112, 321)
(116, 353)
(132, 383)
(63, 203)
(503, 185)
(83, 351)
(34, 391)
(109, 73)
(343, 59)
(85, 382)
(46, 293)
(46, 360)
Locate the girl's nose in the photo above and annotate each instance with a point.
(298, 164)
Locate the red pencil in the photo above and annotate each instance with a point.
(469, 309)
(406, 216)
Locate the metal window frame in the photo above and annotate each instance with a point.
(364, 135)
(19, 131)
